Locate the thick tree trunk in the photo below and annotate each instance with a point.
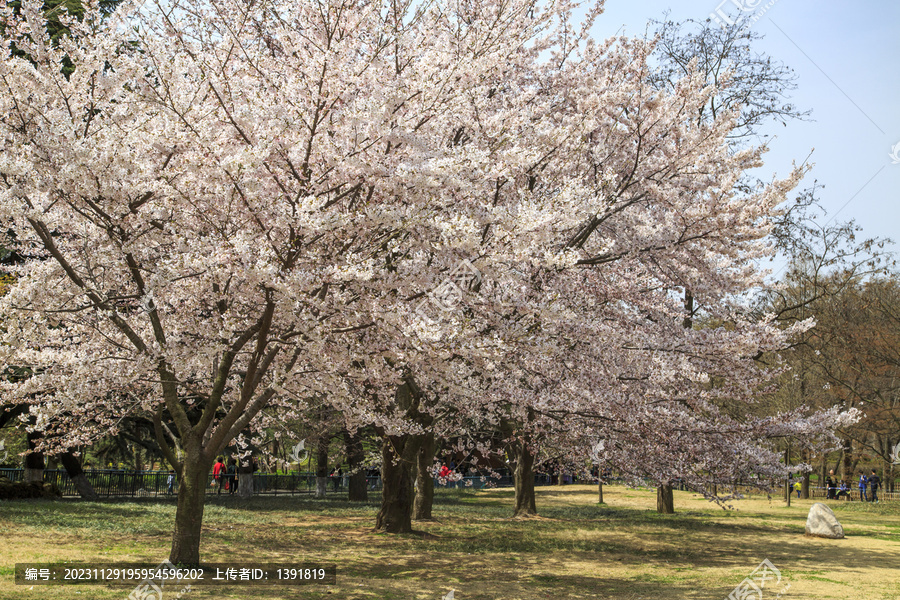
(322, 467)
(189, 513)
(665, 501)
(245, 482)
(522, 462)
(398, 454)
(804, 486)
(357, 488)
(847, 460)
(424, 480)
(34, 461)
(395, 515)
(523, 476)
(76, 474)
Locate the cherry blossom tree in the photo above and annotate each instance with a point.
(226, 196)
(235, 206)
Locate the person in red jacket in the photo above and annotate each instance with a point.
(444, 472)
(219, 471)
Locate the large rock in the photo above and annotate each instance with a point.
(821, 522)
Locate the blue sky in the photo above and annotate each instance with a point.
(847, 59)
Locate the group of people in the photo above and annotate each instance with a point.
(835, 490)
(225, 476)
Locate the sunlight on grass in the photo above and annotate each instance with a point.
(576, 548)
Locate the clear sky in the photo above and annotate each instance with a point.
(847, 59)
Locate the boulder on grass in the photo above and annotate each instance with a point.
(821, 522)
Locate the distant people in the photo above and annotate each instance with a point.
(231, 475)
(863, 484)
(336, 475)
(219, 472)
(797, 487)
(444, 473)
(829, 486)
(843, 491)
(170, 482)
(874, 482)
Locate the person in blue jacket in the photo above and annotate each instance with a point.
(863, 484)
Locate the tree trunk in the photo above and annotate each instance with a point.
(424, 480)
(34, 461)
(245, 479)
(357, 489)
(665, 501)
(823, 473)
(395, 514)
(189, 514)
(322, 466)
(522, 461)
(788, 482)
(523, 476)
(847, 460)
(600, 484)
(398, 455)
(804, 486)
(76, 474)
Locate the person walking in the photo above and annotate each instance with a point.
(171, 482)
(863, 484)
(231, 475)
(219, 473)
(829, 486)
(874, 482)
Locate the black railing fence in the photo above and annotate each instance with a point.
(137, 484)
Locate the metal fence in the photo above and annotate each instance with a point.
(138, 484)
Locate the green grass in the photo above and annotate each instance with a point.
(575, 549)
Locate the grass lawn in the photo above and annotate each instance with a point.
(575, 549)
